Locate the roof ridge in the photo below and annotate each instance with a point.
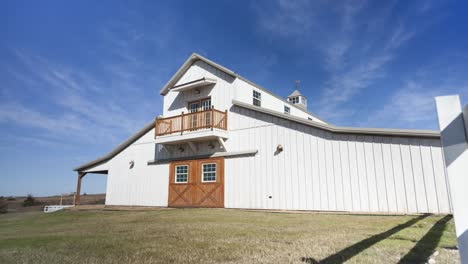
(296, 92)
(196, 56)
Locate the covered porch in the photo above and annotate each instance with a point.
(80, 176)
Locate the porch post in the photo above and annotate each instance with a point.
(156, 127)
(78, 187)
(212, 117)
(225, 119)
(181, 123)
(452, 122)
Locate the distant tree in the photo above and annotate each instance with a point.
(11, 198)
(3, 206)
(30, 201)
(100, 201)
(84, 194)
(2, 198)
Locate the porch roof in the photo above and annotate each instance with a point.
(193, 84)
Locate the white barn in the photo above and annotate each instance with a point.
(224, 141)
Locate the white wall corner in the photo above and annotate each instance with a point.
(453, 126)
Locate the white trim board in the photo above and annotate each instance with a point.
(214, 155)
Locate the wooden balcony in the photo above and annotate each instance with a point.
(207, 119)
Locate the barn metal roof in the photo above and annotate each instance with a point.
(295, 93)
(117, 149)
(344, 130)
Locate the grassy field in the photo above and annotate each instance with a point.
(223, 236)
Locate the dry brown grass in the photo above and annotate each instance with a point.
(222, 236)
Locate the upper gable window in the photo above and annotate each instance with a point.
(257, 98)
(287, 110)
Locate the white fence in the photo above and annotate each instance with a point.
(53, 208)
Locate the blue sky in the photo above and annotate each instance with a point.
(77, 78)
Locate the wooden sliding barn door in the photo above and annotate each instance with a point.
(180, 192)
(196, 183)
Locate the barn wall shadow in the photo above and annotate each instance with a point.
(427, 244)
(357, 248)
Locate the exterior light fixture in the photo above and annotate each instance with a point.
(279, 148)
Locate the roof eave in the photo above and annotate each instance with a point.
(117, 149)
(194, 57)
(345, 130)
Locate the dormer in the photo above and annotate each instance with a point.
(296, 98)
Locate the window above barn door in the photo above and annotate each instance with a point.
(181, 174)
(209, 172)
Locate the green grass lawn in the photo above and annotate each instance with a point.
(223, 235)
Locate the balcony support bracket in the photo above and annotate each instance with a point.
(221, 143)
(193, 146)
(167, 148)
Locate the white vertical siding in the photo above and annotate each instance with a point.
(408, 175)
(362, 171)
(319, 170)
(441, 183)
(221, 93)
(324, 201)
(345, 170)
(399, 176)
(314, 169)
(143, 184)
(244, 92)
(354, 176)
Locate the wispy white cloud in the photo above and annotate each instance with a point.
(343, 86)
(361, 73)
(357, 41)
(25, 116)
(100, 105)
(260, 74)
(425, 6)
(287, 18)
(310, 22)
(413, 105)
(399, 36)
(337, 44)
(77, 93)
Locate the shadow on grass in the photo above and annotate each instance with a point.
(357, 248)
(427, 244)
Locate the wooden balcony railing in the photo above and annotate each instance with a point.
(210, 119)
